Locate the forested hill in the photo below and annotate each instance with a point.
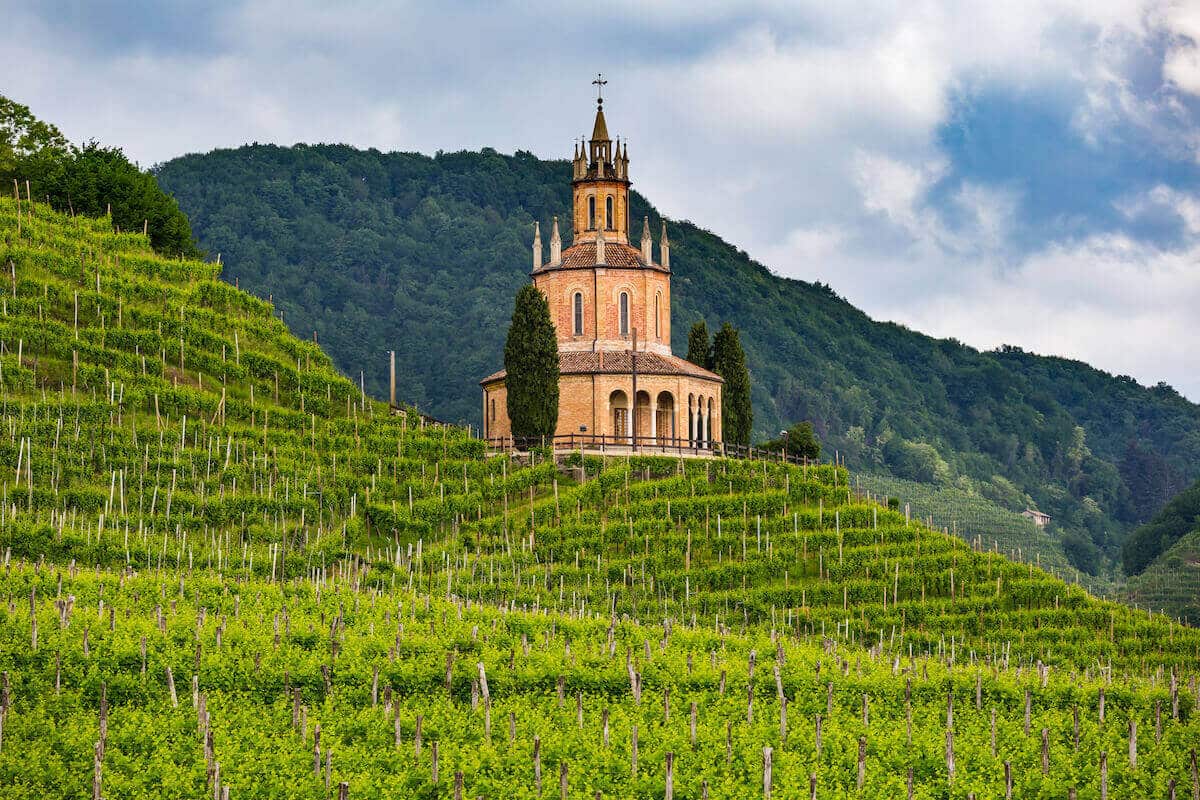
(376, 251)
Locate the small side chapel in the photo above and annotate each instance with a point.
(619, 383)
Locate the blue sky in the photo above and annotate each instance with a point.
(1020, 172)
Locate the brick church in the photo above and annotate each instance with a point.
(611, 306)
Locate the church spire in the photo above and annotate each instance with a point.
(647, 243)
(664, 248)
(537, 247)
(600, 178)
(555, 245)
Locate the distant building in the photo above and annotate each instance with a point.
(611, 306)
(1039, 519)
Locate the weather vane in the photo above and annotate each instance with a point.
(599, 84)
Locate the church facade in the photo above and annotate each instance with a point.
(619, 383)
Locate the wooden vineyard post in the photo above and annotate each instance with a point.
(97, 759)
(171, 688)
(670, 777)
(818, 728)
(1133, 744)
(562, 781)
(458, 785)
(433, 769)
(343, 791)
(862, 761)
(767, 772)
(812, 786)
(1008, 781)
(782, 723)
(1195, 778)
(909, 783)
(1103, 775)
(993, 733)
(691, 726)
(417, 736)
(950, 755)
(537, 763)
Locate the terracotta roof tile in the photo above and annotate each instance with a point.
(618, 362)
(583, 256)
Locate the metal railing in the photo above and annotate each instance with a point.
(607, 444)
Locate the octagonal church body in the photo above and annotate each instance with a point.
(611, 307)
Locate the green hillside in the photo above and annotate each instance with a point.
(1171, 583)
(377, 251)
(1178, 518)
(983, 523)
(229, 571)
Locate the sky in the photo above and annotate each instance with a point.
(1015, 172)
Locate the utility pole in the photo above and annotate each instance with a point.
(633, 407)
(392, 378)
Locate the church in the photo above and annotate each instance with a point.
(619, 383)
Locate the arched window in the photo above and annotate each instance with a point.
(608, 213)
(658, 315)
(624, 313)
(591, 213)
(577, 304)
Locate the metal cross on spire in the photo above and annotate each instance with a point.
(599, 83)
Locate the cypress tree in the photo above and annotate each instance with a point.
(699, 350)
(729, 361)
(531, 360)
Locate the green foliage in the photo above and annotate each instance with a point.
(729, 361)
(88, 180)
(800, 441)
(192, 492)
(699, 348)
(1180, 516)
(916, 461)
(1171, 583)
(375, 251)
(531, 360)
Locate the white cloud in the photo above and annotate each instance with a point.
(1109, 301)
(805, 132)
(1182, 67)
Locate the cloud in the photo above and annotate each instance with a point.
(1182, 66)
(1022, 172)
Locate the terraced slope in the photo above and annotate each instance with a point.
(1171, 584)
(213, 543)
(978, 520)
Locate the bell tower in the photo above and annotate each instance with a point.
(600, 183)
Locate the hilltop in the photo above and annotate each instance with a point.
(230, 570)
(377, 251)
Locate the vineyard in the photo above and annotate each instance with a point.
(979, 520)
(229, 573)
(1172, 582)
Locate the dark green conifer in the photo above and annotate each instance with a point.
(531, 359)
(729, 361)
(699, 349)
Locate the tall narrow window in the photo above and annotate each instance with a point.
(578, 312)
(608, 213)
(591, 213)
(658, 315)
(624, 313)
